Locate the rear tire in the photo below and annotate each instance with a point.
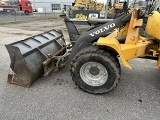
(95, 70)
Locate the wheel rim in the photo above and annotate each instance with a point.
(93, 74)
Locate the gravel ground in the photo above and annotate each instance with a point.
(8, 17)
(56, 97)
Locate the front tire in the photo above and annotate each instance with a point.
(95, 71)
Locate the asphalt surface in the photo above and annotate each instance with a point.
(56, 97)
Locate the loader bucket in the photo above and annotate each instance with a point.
(35, 56)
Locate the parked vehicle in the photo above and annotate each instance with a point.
(24, 5)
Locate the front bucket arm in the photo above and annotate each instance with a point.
(91, 36)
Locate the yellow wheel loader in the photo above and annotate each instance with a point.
(94, 54)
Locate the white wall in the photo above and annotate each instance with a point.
(46, 5)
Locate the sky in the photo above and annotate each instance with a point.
(102, 1)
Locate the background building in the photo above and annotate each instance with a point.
(50, 5)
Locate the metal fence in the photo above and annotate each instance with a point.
(14, 14)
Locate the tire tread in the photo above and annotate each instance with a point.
(89, 51)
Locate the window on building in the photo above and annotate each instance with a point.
(56, 6)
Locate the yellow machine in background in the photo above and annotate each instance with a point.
(118, 5)
(4, 3)
(84, 6)
(88, 5)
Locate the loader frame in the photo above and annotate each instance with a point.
(95, 68)
(107, 40)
